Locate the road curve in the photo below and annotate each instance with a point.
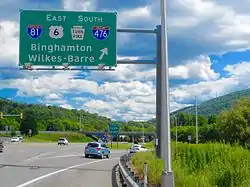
(41, 164)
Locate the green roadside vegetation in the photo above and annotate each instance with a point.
(4, 135)
(203, 165)
(221, 163)
(120, 145)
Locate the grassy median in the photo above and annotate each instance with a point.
(203, 165)
(54, 137)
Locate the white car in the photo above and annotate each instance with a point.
(20, 137)
(63, 141)
(137, 148)
(15, 139)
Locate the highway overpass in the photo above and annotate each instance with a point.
(121, 133)
(94, 133)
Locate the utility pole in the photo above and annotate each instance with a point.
(81, 122)
(196, 121)
(143, 137)
(196, 115)
(176, 132)
(80, 119)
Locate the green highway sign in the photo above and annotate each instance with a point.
(55, 38)
(114, 129)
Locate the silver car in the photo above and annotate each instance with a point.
(97, 149)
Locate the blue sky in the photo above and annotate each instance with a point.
(208, 56)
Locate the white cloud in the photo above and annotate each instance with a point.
(53, 96)
(199, 69)
(220, 26)
(8, 43)
(205, 90)
(67, 106)
(239, 69)
(130, 16)
(240, 72)
(83, 5)
(56, 83)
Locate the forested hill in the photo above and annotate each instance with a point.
(216, 105)
(62, 119)
(213, 106)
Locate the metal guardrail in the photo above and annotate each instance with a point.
(128, 177)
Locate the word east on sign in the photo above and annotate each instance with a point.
(52, 38)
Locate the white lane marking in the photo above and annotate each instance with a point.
(62, 170)
(62, 156)
(38, 156)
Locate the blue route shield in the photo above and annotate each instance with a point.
(34, 31)
(100, 32)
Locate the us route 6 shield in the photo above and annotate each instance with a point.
(34, 31)
(56, 32)
(100, 32)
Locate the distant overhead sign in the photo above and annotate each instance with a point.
(55, 38)
(114, 129)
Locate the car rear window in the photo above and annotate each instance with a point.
(93, 145)
(62, 139)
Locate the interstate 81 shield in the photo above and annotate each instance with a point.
(34, 31)
(100, 32)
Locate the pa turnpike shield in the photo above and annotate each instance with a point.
(34, 31)
(100, 32)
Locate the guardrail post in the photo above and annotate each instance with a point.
(145, 183)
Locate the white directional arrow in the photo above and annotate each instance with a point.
(104, 52)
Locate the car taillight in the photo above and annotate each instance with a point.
(98, 149)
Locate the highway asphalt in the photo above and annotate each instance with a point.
(50, 165)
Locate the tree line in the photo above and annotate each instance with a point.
(51, 118)
(230, 126)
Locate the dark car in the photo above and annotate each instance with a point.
(1, 147)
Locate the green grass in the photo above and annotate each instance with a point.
(53, 137)
(120, 145)
(203, 165)
(128, 145)
(5, 135)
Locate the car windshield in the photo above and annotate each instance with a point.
(62, 139)
(136, 146)
(93, 145)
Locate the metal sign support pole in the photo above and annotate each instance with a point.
(158, 93)
(167, 175)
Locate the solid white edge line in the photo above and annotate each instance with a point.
(62, 170)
